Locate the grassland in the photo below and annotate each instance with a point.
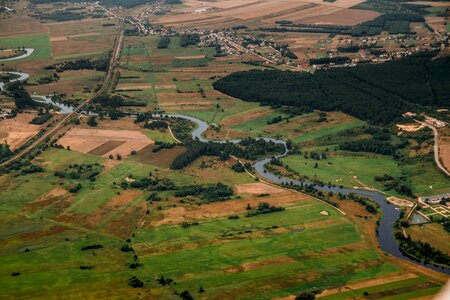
(342, 168)
(40, 42)
(266, 256)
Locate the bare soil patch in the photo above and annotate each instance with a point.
(15, 132)
(410, 127)
(190, 57)
(444, 147)
(400, 202)
(161, 60)
(102, 140)
(257, 188)
(133, 86)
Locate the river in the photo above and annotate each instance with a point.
(390, 213)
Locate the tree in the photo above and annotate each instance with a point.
(305, 296)
(92, 121)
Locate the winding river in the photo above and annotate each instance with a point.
(390, 213)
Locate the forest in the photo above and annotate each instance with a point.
(376, 93)
(248, 148)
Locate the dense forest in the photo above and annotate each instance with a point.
(21, 97)
(248, 148)
(376, 93)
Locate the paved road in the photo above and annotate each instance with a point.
(435, 147)
(61, 123)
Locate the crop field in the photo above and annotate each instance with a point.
(233, 12)
(15, 132)
(77, 39)
(176, 78)
(104, 142)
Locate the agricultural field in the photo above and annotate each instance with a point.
(116, 202)
(254, 13)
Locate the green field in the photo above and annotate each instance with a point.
(40, 42)
(340, 168)
(327, 131)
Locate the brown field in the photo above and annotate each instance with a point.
(432, 233)
(20, 25)
(230, 12)
(15, 132)
(70, 83)
(190, 57)
(161, 60)
(182, 99)
(257, 188)
(221, 209)
(104, 142)
(64, 38)
(78, 38)
(133, 86)
(246, 117)
(162, 158)
(110, 208)
(444, 147)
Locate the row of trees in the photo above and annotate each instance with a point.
(101, 64)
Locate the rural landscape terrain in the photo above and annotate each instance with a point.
(224, 149)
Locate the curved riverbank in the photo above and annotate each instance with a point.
(390, 214)
(28, 52)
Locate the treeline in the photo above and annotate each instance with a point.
(370, 205)
(101, 64)
(376, 93)
(116, 101)
(189, 40)
(249, 149)
(393, 23)
(421, 251)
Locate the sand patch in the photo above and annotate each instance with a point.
(410, 127)
(324, 213)
(257, 188)
(400, 202)
(190, 57)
